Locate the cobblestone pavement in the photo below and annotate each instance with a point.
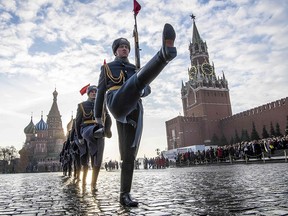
(257, 189)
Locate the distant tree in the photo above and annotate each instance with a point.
(264, 132)
(278, 132)
(4, 153)
(272, 131)
(254, 133)
(223, 140)
(232, 141)
(237, 139)
(12, 152)
(1, 153)
(286, 129)
(4, 158)
(242, 135)
(245, 135)
(215, 140)
(7, 154)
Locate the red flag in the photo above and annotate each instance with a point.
(84, 89)
(104, 61)
(137, 7)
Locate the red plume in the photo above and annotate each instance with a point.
(104, 61)
(84, 89)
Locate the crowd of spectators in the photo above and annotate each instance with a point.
(240, 151)
(156, 163)
(111, 165)
(244, 150)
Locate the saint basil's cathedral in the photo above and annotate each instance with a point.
(44, 142)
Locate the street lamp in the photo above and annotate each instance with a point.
(157, 151)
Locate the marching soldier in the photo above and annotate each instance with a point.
(122, 86)
(89, 146)
(75, 152)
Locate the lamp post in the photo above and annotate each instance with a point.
(157, 151)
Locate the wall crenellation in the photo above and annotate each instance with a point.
(258, 110)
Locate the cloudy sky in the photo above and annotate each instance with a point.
(53, 43)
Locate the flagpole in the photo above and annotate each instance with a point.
(136, 41)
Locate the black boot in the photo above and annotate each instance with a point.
(126, 200)
(74, 170)
(126, 182)
(107, 126)
(69, 169)
(104, 131)
(85, 171)
(95, 173)
(168, 52)
(77, 170)
(77, 177)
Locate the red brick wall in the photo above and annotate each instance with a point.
(188, 131)
(274, 112)
(199, 130)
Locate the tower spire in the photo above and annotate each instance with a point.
(195, 34)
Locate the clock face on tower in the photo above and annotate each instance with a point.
(192, 72)
(207, 69)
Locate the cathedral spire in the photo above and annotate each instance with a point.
(54, 111)
(55, 94)
(54, 119)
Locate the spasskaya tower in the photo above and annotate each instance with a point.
(207, 108)
(204, 95)
(205, 100)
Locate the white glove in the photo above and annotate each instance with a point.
(81, 141)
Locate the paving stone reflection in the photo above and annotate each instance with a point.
(258, 189)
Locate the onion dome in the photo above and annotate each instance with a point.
(30, 128)
(41, 125)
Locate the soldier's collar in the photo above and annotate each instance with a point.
(126, 60)
(90, 99)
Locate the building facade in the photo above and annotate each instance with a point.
(207, 108)
(44, 142)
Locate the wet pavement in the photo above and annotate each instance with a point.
(253, 189)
